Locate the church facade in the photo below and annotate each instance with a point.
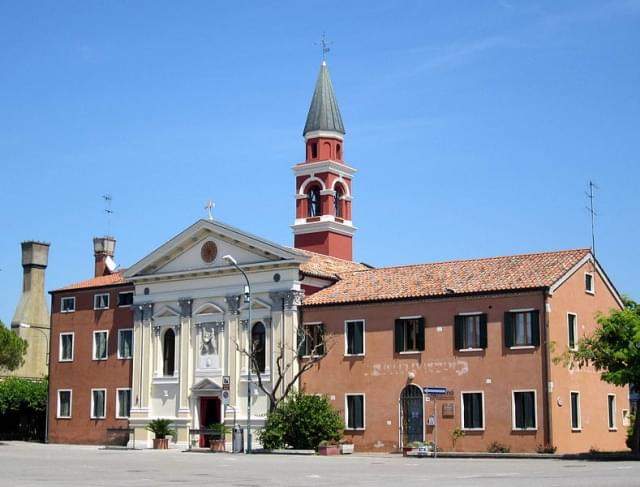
(484, 331)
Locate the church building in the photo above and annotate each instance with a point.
(482, 332)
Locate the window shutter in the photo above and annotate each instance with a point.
(535, 328)
(483, 330)
(359, 337)
(458, 330)
(508, 329)
(399, 336)
(420, 343)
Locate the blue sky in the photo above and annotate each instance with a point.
(475, 126)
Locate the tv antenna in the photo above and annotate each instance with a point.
(108, 199)
(592, 210)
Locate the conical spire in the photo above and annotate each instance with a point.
(324, 114)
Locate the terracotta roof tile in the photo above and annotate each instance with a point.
(328, 267)
(109, 280)
(512, 272)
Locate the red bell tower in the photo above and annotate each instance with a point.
(323, 181)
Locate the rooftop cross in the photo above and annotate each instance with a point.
(209, 207)
(325, 47)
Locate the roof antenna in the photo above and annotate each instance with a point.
(107, 209)
(591, 209)
(325, 48)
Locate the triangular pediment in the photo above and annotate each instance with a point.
(200, 249)
(206, 385)
(166, 312)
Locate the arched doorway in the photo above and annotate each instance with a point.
(412, 414)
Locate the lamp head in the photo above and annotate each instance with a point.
(229, 259)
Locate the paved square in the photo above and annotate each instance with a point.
(28, 464)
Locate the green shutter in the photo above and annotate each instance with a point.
(358, 341)
(420, 343)
(458, 332)
(535, 328)
(508, 329)
(483, 330)
(399, 336)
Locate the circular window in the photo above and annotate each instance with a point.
(208, 252)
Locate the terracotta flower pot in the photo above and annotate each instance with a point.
(216, 445)
(160, 443)
(329, 450)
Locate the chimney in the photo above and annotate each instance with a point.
(32, 308)
(103, 249)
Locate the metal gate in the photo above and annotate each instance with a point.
(412, 414)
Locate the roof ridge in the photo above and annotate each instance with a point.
(454, 261)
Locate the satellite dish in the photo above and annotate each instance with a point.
(110, 263)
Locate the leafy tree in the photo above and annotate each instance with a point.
(22, 394)
(614, 349)
(301, 421)
(12, 349)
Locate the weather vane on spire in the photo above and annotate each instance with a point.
(325, 47)
(209, 207)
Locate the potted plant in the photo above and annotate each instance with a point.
(410, 447)
(161, 428)
(328, 447)
(216, 440)
(346, 447)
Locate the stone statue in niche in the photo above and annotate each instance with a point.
(209, 355)
(208, 342)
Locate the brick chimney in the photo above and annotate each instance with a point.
(103, 250)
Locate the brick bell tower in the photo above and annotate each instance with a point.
(323, 181)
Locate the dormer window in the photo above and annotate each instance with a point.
(313, 200)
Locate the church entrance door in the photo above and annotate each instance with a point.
(209, 414)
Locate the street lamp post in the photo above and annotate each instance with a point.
(247, 299)
(47, 352)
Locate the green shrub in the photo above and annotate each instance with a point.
(301, 421)
(161, 428)
(546, 449)
(497, 447)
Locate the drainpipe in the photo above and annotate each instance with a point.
(546, 359)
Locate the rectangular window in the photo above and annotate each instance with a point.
(522, 328)
(576, 423)
(524, 410)
(611, 410)
(101, 301)
(125, 343)
(355, 411)
(100, 342)
(123, 406)
(98, 403)
(64, 403)
(588, 282)
(311, 340)
(354, 336)
(66, 347)
(473, 410)
(125, 299)
(572, 330)
(409, 334)
(470, 331)
(68, 305)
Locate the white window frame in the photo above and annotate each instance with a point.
(579, 427)
(593, 283)
(614, 426)
(70, 391)
(364, 410)
(484, 422)
(125, 305)
(104, 415)
(73, 346)
(364, 342)
(120, 330)
(513, 409)
(471, 313)
(522, 347)
(414, 352)
(95, 301)
(62, 299)
(94, 344)
(118, 401)
(575, 331)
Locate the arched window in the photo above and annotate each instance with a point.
(338, 151)
(258, 348)
(169, 353)
(314, 150)
(338, 198)
(313, 200)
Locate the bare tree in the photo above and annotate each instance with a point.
(312, 347)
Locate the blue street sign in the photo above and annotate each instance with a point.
(435, 391)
